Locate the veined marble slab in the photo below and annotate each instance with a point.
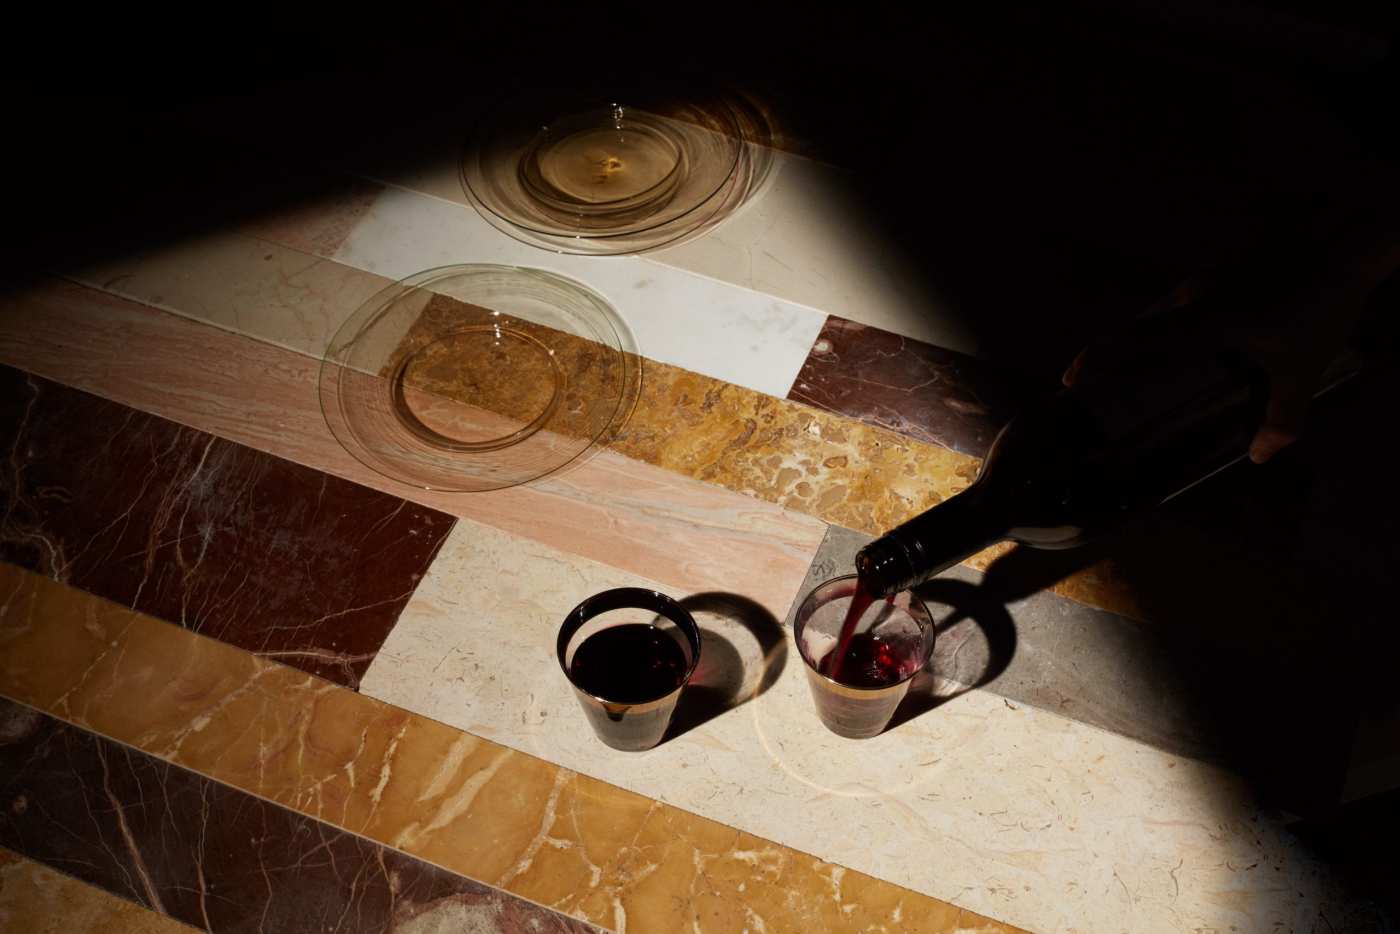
(180, 701)
(997, 807)
(264, 554)
(695, 425)
(206, 854)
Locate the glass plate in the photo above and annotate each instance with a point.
(563, 165)
(750, 174)
(478, 377)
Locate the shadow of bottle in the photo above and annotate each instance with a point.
(982, 607)
(725, 677)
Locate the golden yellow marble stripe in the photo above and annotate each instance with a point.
(826, 465)
(35, 899)
(584, 847)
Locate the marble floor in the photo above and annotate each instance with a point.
(246, 683)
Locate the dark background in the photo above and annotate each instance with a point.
(1052, 168)
(1053, 163)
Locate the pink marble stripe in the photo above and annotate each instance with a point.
(678, 531)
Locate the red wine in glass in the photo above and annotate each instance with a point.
(855, 650)
(629, 664)
(873, 662)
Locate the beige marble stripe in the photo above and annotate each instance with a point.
(35, 899)
(674, 529)
(545, 833)
(835, 468)
(277, 293)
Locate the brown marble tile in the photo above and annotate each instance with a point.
(215, 857)
(911, 388)
(592, 850)
(276, 558)
(35, 899)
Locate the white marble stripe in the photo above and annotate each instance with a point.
(678, 317)
(1002, 809)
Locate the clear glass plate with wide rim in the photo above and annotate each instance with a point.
(479, 377)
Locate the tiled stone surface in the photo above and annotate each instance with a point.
(320, 227)
(674, 529)
(583, 847)
(857, 475)
(218, 858)
(1013, 810)
(276, 558)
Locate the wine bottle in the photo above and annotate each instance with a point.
(1081, 462)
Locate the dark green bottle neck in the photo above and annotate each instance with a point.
(930, 543)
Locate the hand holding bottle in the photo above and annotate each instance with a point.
(1289, 313)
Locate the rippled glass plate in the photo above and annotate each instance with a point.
(478, 377)
(559, 165)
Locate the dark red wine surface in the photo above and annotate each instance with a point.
(629, 664)
(832, 666)
(871, 662)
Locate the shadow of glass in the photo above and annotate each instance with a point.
(984, 609)
(742, 653)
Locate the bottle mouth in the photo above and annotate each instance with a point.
(884, 568)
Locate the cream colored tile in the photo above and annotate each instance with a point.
(805, 238)
(243, 284)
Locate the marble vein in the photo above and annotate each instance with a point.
(203, 532)
(39, 900)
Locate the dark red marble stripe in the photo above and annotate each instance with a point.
(230, 542)
(913, 388)
(218, 858)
